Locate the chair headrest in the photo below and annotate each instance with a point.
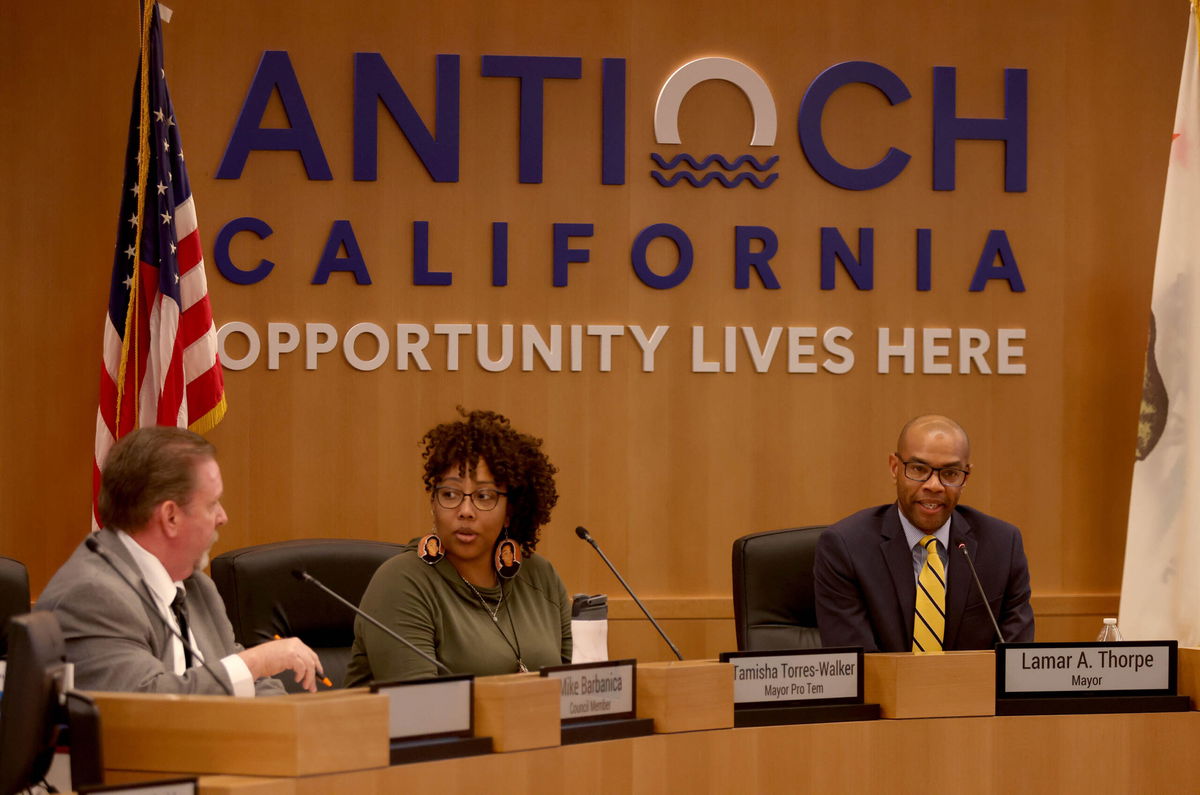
(773, 578)
(14, 596)
(264, 598)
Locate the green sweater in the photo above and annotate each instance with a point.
(433, 608)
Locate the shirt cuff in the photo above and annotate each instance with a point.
(239, 675)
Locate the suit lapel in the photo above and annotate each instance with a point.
(899, 558)
(120, 556)
(961, 582)
(201, 623)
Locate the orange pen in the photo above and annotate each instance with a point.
(323, 679)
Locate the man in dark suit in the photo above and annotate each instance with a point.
(160, 502)
(877, 584)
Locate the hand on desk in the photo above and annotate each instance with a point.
(286, 654)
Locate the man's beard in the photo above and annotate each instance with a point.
(202, 564)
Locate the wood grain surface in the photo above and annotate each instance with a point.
(667, 467)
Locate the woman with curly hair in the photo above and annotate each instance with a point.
(472, 592)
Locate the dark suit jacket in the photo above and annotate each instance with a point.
(118, 643)
(866, 591)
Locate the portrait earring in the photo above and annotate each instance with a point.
(508, 557)
(430, 549)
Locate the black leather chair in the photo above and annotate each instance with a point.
(264, 599)
(14, 596)
(773, 602)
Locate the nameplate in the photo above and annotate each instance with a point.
(1084, 669)
(797, 676)
(606, 690)
(177, 786)
(441, 707)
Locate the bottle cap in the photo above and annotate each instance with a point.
(1112, 621)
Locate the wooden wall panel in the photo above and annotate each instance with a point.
(665, 468)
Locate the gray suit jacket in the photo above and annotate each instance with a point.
(866, 592)
(118, 643)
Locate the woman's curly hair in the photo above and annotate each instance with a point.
(516, 460)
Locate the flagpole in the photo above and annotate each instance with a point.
(131, 324)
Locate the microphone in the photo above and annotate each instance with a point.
(963, 548)
(586, 536)
(304, 576)
(94, 546)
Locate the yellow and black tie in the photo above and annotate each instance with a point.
(929, 625)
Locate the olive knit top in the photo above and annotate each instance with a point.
(436, 610)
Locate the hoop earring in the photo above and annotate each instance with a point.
(430, 548)
(507, 557)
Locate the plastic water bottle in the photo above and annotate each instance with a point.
(1110, 633)
(589, 628)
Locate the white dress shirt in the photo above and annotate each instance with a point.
(915, 537)
(164, 589)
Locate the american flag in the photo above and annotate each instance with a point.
(160, 345)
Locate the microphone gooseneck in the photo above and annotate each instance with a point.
(586, 536)
(963, 548)
(304, 576)
(93, 546)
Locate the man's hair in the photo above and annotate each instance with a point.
(146, 468)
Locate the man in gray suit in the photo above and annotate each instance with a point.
(160, 503)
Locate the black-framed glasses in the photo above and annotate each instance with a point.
(482, 499)
(951, 477)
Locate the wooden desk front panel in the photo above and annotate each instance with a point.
(1051, 754)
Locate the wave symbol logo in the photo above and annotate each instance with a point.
(717, 161)
(714, 168)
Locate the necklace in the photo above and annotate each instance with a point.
(493, 613)
(495, 616)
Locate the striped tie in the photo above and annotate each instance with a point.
(929, 626)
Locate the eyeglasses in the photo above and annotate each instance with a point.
(951, 477)
(482, 499)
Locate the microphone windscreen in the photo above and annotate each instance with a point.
(582, 533)
(300, 574)
(91, 543)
